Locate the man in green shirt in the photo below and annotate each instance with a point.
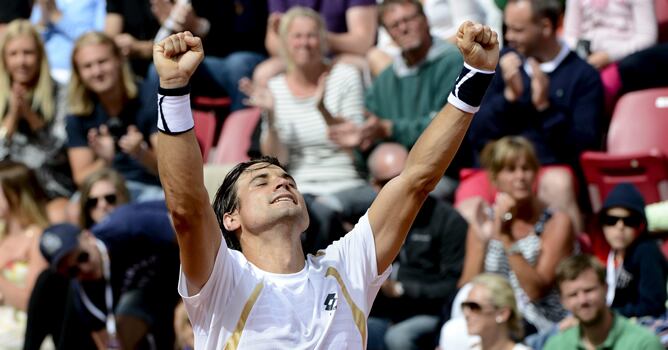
(408, 93)
(581, 281)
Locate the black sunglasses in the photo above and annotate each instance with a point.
(82, 258)
(472, 306)
(629, 221)
(91, 202)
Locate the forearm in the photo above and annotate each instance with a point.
(271, 144)
(533, 284)
(142, 49)
(9, 124)
(474, 259)
(436, 147)
(80, 174)
(35, 121)
(148, 159)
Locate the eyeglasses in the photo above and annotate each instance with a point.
(82, 258)
(408, 19)
(628, 221)
(475, 307)
(91, 202)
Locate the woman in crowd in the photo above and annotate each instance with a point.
(299, 106)
(636, 268)
(32, 119)
(605, 31)
(23, 213)
(101, 193)
(521, 238)
(491, 313)
(109, 126)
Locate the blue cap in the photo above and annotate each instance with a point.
(57, 241)
(627, 196)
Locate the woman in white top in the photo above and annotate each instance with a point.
(298, 108)
(491, 313)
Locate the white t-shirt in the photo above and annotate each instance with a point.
(324, 306)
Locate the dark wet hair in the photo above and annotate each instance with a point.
(226, 199)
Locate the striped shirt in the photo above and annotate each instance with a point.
(317, 164)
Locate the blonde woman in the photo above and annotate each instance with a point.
(32, 127)
(108, 125)
(22, 210)
(491, 313)
(518, 236)
(299, 108)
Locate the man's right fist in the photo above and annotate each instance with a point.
(479, 45)
(176, 57)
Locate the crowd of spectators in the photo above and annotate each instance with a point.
(496, 258)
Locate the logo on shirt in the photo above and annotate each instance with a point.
(330, 302)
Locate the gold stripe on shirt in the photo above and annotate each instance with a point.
(358, 315)
(233, 341)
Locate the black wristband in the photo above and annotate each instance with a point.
(180, 91)
(470, 88)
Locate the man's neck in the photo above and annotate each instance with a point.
(413, 57)
(274, 252)
(595, 334)
(549, 52)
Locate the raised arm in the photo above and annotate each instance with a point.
(395, 208)
(180, 161)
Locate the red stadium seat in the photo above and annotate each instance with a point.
(205, 131)
(637, 149)
(661, 10)
(235, 138)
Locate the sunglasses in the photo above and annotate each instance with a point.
(628, 221)
(82, 258)
(474, 307)
(109, 198)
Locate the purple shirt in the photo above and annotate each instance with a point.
(333, 11)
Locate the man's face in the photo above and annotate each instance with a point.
(523, 33)
(585, 297)
(407, 27)
(84, 262)
(268, 197)
(99, 69)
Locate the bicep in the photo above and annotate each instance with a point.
(391, 215)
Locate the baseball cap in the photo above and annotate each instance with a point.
(57, 241)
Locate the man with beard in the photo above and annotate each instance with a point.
(581, 281)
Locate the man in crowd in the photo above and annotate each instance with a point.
(407, 313)
(581, 281)
(266, 293)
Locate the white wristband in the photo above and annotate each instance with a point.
(174, 114)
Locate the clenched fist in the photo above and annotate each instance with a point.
(176, 57)
(479, 45)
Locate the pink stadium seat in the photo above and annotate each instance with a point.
(205, 131)
(637, 148)
(661, 10)
(235, 138)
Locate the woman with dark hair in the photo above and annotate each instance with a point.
(22, 210)
(636, 268)
(32, 121)
(101, 192)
